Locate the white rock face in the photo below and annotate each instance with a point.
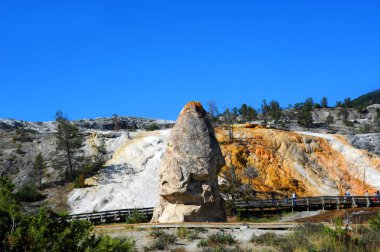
(130, 178)
(359, 160)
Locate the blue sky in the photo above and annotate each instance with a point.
(149, 58)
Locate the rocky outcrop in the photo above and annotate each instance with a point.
(369, 142)
(189, 171)
(111, 123)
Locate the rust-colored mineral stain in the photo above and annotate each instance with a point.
(193, 105)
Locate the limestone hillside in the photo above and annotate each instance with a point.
(288, 161)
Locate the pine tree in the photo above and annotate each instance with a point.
(347, 103)
(69, 141)
(274, 110)
(251, 114)
(243, 111)
(324, 102)
(305, 118)
(39, 167)
(265, 111)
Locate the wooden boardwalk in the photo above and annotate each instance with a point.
(299, 204)
(311, 203)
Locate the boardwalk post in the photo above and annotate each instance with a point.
(337, 202)
(323, 204)
(307, 204)
(292, 205)
(353, 202)
(368, 202)
(278, 211)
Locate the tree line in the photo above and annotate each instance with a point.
(272, 111)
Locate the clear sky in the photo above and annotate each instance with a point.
(149, 58)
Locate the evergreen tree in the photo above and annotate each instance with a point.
(324, 103)
(251, 113)
(265, 110)
(308, 104)
(274, 110)
(243, 111)
(305, 118)
(69, 141)
(231, 186)
(347, 103)
(39, 167)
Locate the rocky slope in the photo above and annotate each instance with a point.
(129, 179)
(288, 161)
(301, 162)
(21, 141)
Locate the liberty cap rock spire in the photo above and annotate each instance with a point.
(189, 171)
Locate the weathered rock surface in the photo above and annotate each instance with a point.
(370, 142)
(189, 171)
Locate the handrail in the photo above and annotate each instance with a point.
(307, 202)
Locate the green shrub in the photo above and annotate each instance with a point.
(107, 243)
(285, 243)
(218, 239)
(317, 237)
(152, 127)
(348, 123)
(137, 217)
(201, 229)
(28, 193)
(161, 240)
(374, 223)
(182, 232)
(79, 181)
(188, 234)
(45, 231)
(192, 235)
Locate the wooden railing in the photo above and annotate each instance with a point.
(111, 215)
(320, 202)
(304, 203)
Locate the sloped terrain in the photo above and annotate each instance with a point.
(306, 163)
(301, 162)
(129, 179)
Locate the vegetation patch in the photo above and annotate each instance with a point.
(317, 237)
(161, 240)
(28, 193)
(47, 231)
(189, 234)
(152, 127)
(217, 242)
(136, 217)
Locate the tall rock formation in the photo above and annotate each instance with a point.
(189, 171)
